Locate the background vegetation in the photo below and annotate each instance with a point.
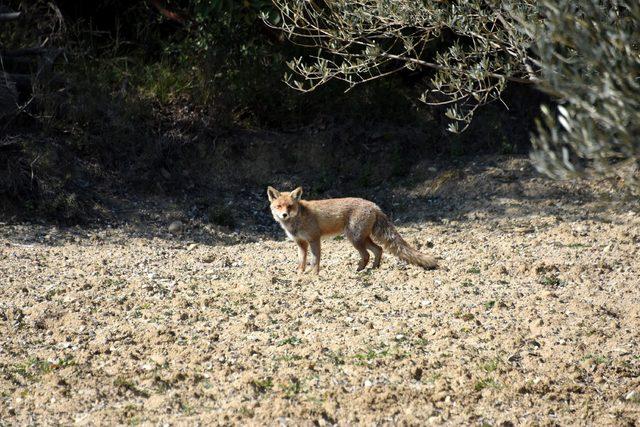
(153, 95)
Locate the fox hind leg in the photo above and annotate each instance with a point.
(361, 246)
(377, 252)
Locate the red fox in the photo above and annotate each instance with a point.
(306, 221)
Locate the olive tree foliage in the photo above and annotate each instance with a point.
(588, 54)
(473, 47)
(584, 54)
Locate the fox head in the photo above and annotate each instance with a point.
(284, 206)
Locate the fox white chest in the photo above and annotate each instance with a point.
(293, 233)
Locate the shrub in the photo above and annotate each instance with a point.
(585, 54)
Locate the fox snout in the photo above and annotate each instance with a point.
(284, 212)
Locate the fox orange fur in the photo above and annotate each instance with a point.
(361, 221)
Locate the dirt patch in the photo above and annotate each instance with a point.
(533, 319)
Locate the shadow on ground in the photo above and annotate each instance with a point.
(493, 189)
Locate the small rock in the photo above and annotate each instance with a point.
(632, 395)
(158, 359)
(587, 365)
(208, 258)
(436, 419)
(176, 227)
(439, 396)
(368, 383)
(581, 229)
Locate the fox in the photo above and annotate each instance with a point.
(361, 221)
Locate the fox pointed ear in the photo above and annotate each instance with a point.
(272, 193)
(297, 193)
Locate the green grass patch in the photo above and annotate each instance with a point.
(490, 365)
(262, 385)
(552, 281)
(485, 383)
(292, 340)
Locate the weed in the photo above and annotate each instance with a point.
(577, 245)
(161, 384)
(370, 355)
(490, 365)
(291, 340)
(263, 385)
(228, 311)
(598, 359)
(35, 367)
(337, 358)
(289, 357)
(552, 281)
(122, 382)
(246, 412)
(474, 270)
(186, 409)
(464, 316)
(485, 383)
(292, 388)
(421, 342)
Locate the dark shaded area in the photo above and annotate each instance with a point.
(151, 108)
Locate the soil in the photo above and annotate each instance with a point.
(533, 317)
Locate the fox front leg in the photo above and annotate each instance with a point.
(315, 251)
(303, 245)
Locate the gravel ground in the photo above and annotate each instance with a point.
(533, 318)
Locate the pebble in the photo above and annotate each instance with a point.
(158, 359)
(176, 227)
(208, 258)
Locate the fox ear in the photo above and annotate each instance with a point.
(272, 193)
(297, 193)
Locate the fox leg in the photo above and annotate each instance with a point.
(377, 252)
(303, 245)
(315, 251)
(361, 246)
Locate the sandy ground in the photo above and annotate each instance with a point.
(533, 319)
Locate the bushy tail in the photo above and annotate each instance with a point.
(386, 234)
